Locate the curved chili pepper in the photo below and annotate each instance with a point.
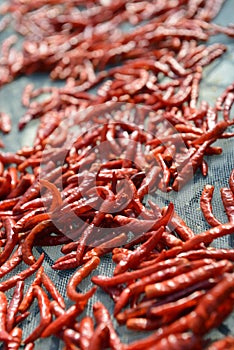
(100, 337)
(80, 274)
(13, 307)
(228, 203)
(21, 276)
(12, 239)
(44, 306)
(57, 199)
(28, 242)
(206, 205)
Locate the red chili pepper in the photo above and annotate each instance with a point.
(29, 296)
(206, 205)
(27, 245)
(49, 285)
(13, 307)
(86, 332)
(228, 203)
(44, 306)
(80, 274)
(12, 239)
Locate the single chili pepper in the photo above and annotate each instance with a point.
(143, 324)
(80, 274)
(139, 253)
(12, 239)
(206, 205)
(86, 332)
(10, 264)
(186, 279)
(21, 276)
(102, 316)
(211, 253)
(180, 227)
(29, 296)
(66, 264)
(228, 203)
(100, 337)
(57, 199)
(3, 311)
(16, 333)
(231, 181)
(64, 319)
(49, 285)
(5, 186)
(28, 242)
(14, 305)
(44, 306)
(225, 343)
(8, 203)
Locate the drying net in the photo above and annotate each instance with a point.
(187, 202)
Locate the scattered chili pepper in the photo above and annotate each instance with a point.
(44, 306)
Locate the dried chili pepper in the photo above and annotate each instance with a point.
(13, 307)
(206, 205)
(83, 272)
(44, 306)
(228, 202)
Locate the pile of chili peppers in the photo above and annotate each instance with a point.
(144, 129)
